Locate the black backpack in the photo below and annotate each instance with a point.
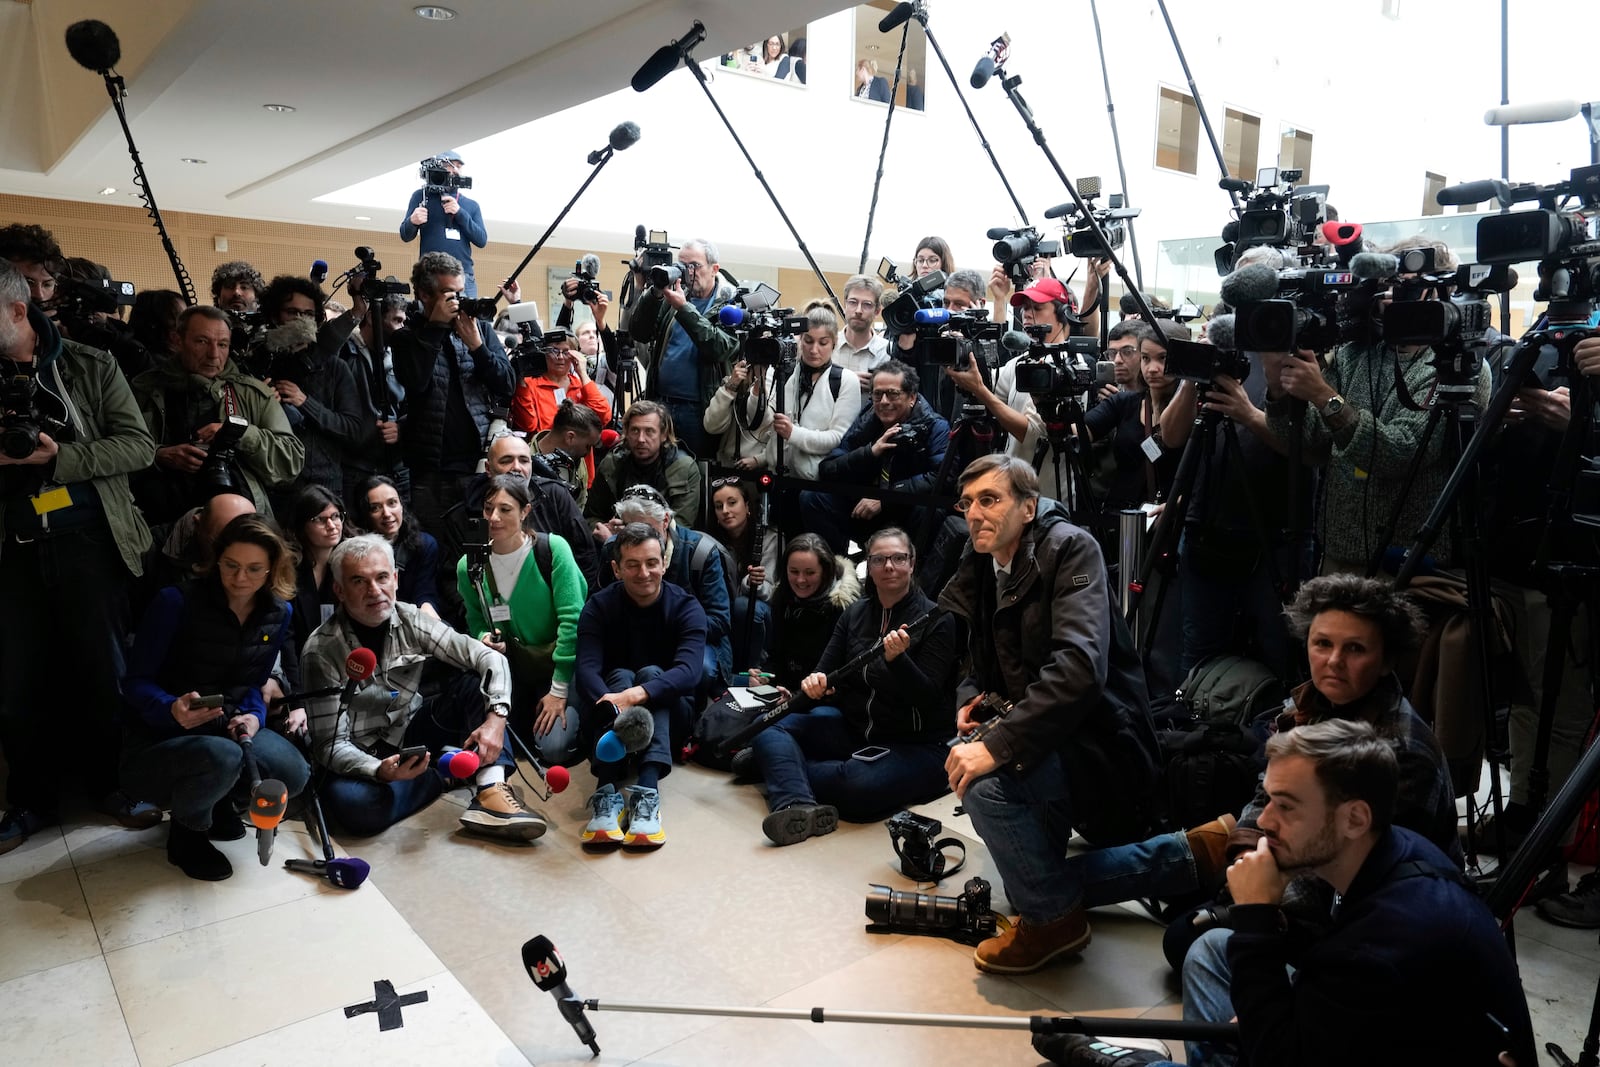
(1211, 754)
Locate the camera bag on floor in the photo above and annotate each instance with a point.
(1210, 754)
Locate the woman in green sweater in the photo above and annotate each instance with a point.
(524, 603)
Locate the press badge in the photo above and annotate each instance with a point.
(452, 234)
(1151, 449)
(51, 500)
(500, 613)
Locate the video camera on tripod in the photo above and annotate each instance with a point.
(1276, 212)
(1315, 307)
(439, 178)
(1063, 371)
(949, 339)
(1112, 220)
(372, 287)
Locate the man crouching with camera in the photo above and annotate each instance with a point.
(1045, 637)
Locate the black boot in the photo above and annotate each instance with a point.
(225, 822)
(193, 854)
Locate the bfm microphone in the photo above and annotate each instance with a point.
(1517, 115)
(1219, 331)
(623, 136)
(549, 972)
(1250, 285)
(982, 72)
(319, 271)
(341, 873)
(896, 18)
(666, 58)
(631, 731)
(94, 45)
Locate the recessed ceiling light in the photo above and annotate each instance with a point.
(282, 109)
(363, 218)
(108, 190)
(190, 159)
(434, 13)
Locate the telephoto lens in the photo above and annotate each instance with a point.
(965, 918)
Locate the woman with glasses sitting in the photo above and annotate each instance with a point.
(875, 742)
(316, 525)
(193, 694)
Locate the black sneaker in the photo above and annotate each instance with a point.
(790, 825)
(190, 852)
(1081, 1050)
(744, 766)
(1579, 908)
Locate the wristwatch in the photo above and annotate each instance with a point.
(502, 710)
(1332, 408)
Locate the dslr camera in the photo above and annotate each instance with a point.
(916, 841)
(439, 179)
(21, 421)
(219, 473)
(1062, 371)
(968, 918)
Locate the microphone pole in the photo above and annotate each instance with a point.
(894, 91)
(1216, 149)
(1122, 173)
(684, 56)
(599, 158)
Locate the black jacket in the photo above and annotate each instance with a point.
(429, 362)
(909, 699)
(912, 468)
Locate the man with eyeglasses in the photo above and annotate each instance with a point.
(649, 455)
(1076, 748)
(860, 348)
(895, 444)
(456, 376)
(185, 402)
(298, 358)
(690, 354)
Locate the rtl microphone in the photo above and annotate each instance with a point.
(319, 271)
(896, 18)
(341, 873)
(94, 45)
(983, 72)
(549, 972)
(665, 59)
(359, 665)
(1518, 115)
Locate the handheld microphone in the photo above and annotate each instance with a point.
(896, 18)
(631, 731)
(459, 762)
(94, 45)
(982, 72)
(1250, 284)
(1219, 331)
(319, 271)
(1370, 266)
(346, 873)
(549, 972)
(932, 316)
(609, 439)
(1522, 114)
(665, 59)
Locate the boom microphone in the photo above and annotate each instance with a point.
(319, 271)
(94, 45)
(624, 135)
(1518, 115)
(666, 58)
(1250, 284)
(896, 18)
(983, 72)
(1370, 266)
(549, 972)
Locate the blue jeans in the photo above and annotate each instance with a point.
(366, 806)
(806, 759)
(1206, 981)
(191, 773)
(1026, 821)
(668, 715)
(1159, 867)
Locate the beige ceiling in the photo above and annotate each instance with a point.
(375, 87)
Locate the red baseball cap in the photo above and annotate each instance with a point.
(1043, 291)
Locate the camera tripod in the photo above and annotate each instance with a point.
(973, 433)
(1065, 434)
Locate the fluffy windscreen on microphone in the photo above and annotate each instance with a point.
(591, 265)
(291, 336)
(624, 135)
(1250, 284)
(1015, 341)
(557, 778)
(1219, 331)
(360, 664)
(634, 727)
(1371, 266)
(94, 45)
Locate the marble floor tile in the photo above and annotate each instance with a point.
(215, 985)
(95, 840)
(46, 924)
(67, 1016)
(41, 853)
(139, 896)
(449, 1027)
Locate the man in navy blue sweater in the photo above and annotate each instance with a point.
(448, 222)
(641, 642)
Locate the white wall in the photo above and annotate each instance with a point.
(1386, 100)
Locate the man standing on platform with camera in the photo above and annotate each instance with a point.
(1044, 635)
(690, 354)
(448, 222)
(216, 428)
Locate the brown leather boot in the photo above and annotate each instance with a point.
(1026, 947)
(1209, 844)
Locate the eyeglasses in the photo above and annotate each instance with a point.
(927, 261)
(1124, 350)
(861, 305)
(983, 502)
(647, 492)
(232, 569)
(328, 520)
(899, 559)
(304, 313)
(887, 394)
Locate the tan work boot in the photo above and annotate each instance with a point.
(497, 811)
(1209, 845)
(1026, 947)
